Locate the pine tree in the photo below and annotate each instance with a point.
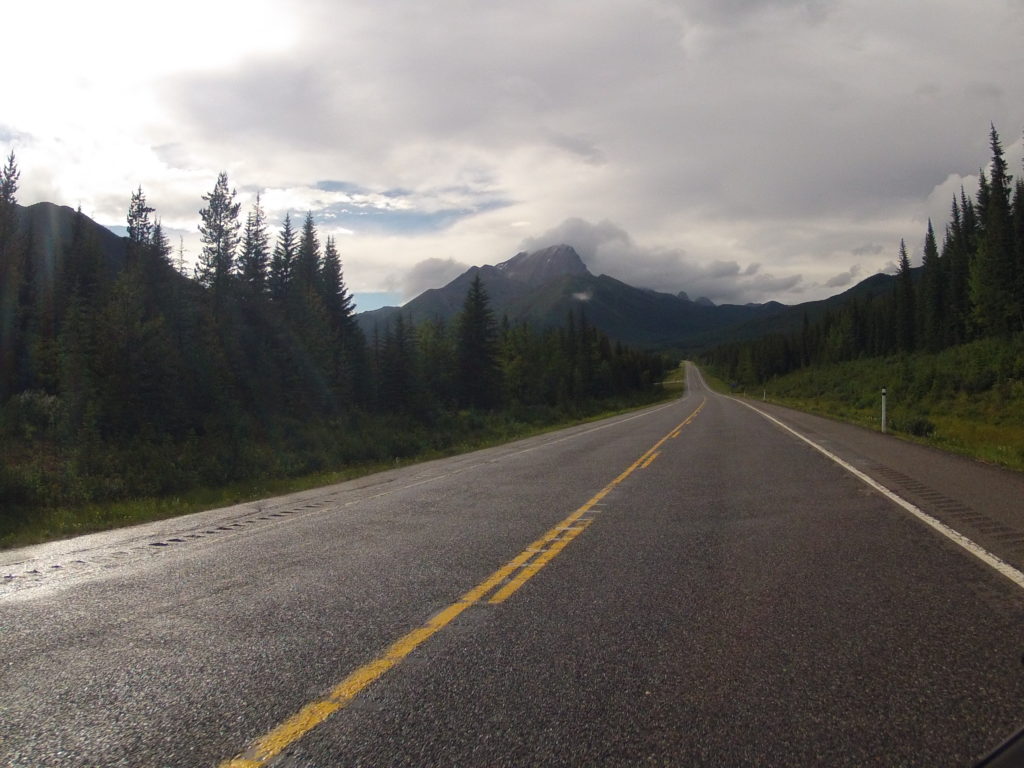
(283, 260)
(349, 352)
(397, 368)
(219, 232)
(1018, 239)
(931, 294)
(957, 259)
(252, 262)
(337, 298)
(905, 313)
(10, 276)
(477, 350)
(307, 263)
(993, 273)
(160, 245)
(140, 228)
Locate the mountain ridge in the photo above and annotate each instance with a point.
(540, 287)
(544, 286)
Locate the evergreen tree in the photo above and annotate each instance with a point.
(252, 262)
(993, 273)
(349, 344)
(283, 260)
(478, 382)
(905, 313)
(931, 294)
(337, 298)
(140, 227)
(307, 263)
(437, 362)
(219, 232)
(957, 259)
(10, 276)
(161, 246)
(1018, 239)
(398, 373)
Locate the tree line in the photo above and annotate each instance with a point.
(128, 377)
(970, 288)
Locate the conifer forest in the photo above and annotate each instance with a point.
(125, 377)
(968, 289)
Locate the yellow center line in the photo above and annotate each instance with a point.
(525, 565)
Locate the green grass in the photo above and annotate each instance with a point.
(967, 399)
(57, 522)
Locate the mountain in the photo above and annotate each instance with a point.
(48, 229)
(543, 287)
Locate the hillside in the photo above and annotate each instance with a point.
(543, 287)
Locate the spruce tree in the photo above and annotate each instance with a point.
(957, 259)
(477, 350)
(283, 260)
(10, 276)
(160, 245)
(931, 294)
(1018, 239)
(252, 261)
(905, 313)
(993, 273)
(337, 298)
(140, 227)
(219, 232)
(307, 263)
(349, 352)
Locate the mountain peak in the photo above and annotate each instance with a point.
(543, 265)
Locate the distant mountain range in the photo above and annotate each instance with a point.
(543, 287)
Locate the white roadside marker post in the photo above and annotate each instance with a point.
(883, 411)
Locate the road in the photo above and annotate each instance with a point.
(691, 584)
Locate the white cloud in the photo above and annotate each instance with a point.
(608, 249)
(749, 146)
(430, 273)
(844, 279)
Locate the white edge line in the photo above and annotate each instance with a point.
(975, 549)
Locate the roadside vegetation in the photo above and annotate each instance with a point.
(131, 391)
(947, 341)
(940, 399)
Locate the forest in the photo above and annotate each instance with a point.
(131, 378)
(969, 289)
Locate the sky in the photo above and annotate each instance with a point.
(742, 150)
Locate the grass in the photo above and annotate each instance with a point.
(57, 522)
(968, 400)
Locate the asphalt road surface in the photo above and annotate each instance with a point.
(687, 585)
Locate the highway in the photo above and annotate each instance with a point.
(691, 584)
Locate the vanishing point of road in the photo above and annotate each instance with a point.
(697, 583)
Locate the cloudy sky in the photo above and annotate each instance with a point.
(744, 150)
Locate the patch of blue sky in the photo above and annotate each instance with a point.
(348, 187)
(375, 300)
(405, 221)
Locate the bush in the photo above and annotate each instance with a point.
(918, 426)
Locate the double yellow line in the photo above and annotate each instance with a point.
(500, 585)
